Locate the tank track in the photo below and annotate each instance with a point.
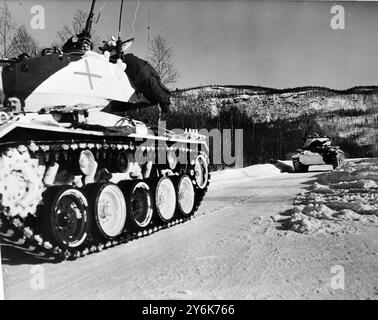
(22, 232)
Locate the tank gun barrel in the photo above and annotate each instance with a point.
(88, 24)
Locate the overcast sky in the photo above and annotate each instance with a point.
(275, 44)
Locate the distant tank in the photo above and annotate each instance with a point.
(317, 150)
(75, 177)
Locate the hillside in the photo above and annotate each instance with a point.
(266, 104)
(275, 121)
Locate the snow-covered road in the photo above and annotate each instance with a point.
(232, 250)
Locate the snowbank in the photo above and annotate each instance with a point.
(348, 194)
(254, 172)
(353, 171)
(284, 166)
(261, 171)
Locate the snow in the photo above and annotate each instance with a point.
(349, 193)
(352, 171)
(261, 171)
(232, 249)
(256, 172)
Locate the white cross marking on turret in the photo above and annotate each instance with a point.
(90, 75)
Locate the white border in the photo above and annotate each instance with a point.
(1, 279)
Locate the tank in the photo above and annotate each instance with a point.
(76, 176)
(317, 150)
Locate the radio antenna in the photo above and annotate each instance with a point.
(120, 21)
(119, 41)
(148, 32)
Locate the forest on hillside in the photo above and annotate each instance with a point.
(275, 124)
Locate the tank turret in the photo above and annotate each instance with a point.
(317, 150)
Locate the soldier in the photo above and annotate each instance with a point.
(143, 77)
(13, 105)
(78, 44)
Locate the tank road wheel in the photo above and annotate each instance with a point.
(337, 159)
(200, 172)
(298, 166)
(108, 209)
(21, 184)
(140, 204)
(185, 195)
(165, 199)
(66, 217)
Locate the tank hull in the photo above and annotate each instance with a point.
(41, 161)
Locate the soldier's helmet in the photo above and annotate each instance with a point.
(78, 43)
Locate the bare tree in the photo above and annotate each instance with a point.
(78, 24)
(62, 36)
(161, 58)
(23, 42)
(7, 27)
(79, 20)
(14, 40)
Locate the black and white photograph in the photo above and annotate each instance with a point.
(215, 150)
